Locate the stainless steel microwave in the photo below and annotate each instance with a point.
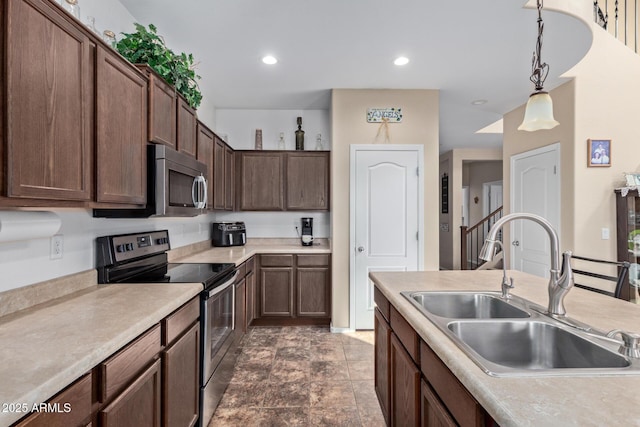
(176, 186)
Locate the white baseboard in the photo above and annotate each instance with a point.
(335, 330)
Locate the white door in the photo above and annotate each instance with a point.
(465, 206)
(535, 188)
(385, 218)
(491, 197)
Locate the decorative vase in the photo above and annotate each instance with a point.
(258, 139)
(299, 136)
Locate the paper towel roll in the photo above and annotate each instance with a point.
(27, 225)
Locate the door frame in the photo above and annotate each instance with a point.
(353, 149)
(555, 148)
(485, 195)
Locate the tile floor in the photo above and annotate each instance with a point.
(301, 376)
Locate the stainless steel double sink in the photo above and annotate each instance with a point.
(512, 337)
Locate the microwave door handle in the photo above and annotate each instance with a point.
(200, 194)
(205, 191)
(193, 191)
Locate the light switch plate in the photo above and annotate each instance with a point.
(605, 234)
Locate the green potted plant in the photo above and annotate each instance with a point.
(147, 47)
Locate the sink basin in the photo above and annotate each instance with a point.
(500, 346)
(466, 305)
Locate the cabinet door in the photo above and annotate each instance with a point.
(382, 370)
(261, 181)
(219, 174)
(250, 281)
(434, 414)
(181, 380)
(138, 405)
(405, 387)
(74, 405)
(276, 291)
(205, 155)
(162, 111)
(313, 292)
(229, 176)
(186, 127)
(308, 181)
(49, 105)
(121, 131)
(241, 307)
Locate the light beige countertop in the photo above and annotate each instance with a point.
(239, 254)
(47, 347)
(526, 401)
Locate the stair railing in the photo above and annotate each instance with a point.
(627, 11)
(472, 239)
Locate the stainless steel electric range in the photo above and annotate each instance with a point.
(142, 258)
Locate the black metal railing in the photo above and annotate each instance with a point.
(472, 239)
(625, 20)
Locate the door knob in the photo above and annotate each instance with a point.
(360, 248)
(515, 243)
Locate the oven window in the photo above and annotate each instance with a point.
(221, 319)
(180, 185)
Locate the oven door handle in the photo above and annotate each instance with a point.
(224, 286)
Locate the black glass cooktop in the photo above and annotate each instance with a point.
(207, 274)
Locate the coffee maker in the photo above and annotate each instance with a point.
(307, 232)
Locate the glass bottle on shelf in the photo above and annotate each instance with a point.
(109, 38)
(72, 7)
(299, 135)
(281, 145)
(319, 146)
(91, 24)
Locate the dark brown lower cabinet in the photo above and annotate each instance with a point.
(250, 283)
(241, 306)
(276, 290)
(405, 386)
(382, 381)
(414, 386)
(180, 380)
(313, 292)
(434, 414)
(138, 405)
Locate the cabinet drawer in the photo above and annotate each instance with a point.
(122, 367)
(76, 397)
(406, 334)
(464, 408)
(382, 302)
(177, 322)
(250, 264)
(313, 260)
(276, 260)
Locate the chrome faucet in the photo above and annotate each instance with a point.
(560, 282)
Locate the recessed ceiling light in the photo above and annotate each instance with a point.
(479, 102)
(269, 60)
(401, 60)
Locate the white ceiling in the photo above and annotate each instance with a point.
(468, 49)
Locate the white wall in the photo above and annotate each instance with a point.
(26, 262)
(278, 224)
(240, 127)
(109, 15)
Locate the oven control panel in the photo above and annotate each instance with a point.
(115, 249)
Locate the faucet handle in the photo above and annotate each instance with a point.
(630, 343)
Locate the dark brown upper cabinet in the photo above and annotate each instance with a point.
(162, 109)
(223, 175)
(187, 123)
(121, 131)
(261, 180)
(308, 181)
(229, 172)
(205, 155)
(48, 104)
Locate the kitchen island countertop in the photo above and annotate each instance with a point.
(528, 401)
(45, 348)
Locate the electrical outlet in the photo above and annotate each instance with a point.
(57, 246)
(605, 234)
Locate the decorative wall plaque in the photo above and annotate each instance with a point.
(376, 115)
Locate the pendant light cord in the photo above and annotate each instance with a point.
(539, 69)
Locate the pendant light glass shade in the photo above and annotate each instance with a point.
(538, 113)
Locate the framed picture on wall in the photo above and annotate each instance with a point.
(444, 193)
(598, 152)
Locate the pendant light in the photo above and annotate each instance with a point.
(539, 111)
